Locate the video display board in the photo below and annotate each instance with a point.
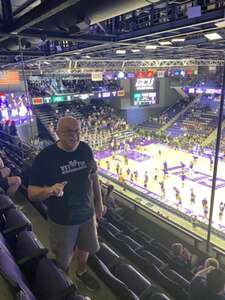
(10, 81)
(145, 92)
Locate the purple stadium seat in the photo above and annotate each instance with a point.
(172, 287)
(51, 282)
(132, 278)
(119, 288)
(11, 272)
(28, 245)
(5, 203)
(142, 238)
(4, 245)
(115, 219)
(21, 295)
(159, 296)
(173, 275)
(128, 227)
(107, 256)
(110, 227)
(151, 258)
(15, 222)
(130, 242)
(28, 252)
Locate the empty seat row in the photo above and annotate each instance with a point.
(23, 260)
(146, 241)
(150, 264)
(123, 279)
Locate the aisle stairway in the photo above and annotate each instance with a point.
(177, 116)
(212, 137)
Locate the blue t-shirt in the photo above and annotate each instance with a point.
(54, 165)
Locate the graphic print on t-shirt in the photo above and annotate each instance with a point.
(73, 166)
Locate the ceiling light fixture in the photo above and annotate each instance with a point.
(213, 36)
(165, 43)
(135, 50)
(151, 47)
(120, 51)
(178, 40)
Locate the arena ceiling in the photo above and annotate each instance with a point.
(79, 35)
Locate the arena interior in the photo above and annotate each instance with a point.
(146, 80)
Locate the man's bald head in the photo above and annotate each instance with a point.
(68, 130)
(67, 121)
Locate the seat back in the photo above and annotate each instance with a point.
(107, 256)
(159, 296)
(119, 288)
(132, 278)
(151, 258)
(11, 272)
(50, 281)
(5, 203)
(132, 243)
(173, 275)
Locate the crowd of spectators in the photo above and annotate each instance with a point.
(39, 88)
(9, 127)
(88, 86)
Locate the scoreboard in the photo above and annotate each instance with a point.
(144, 91)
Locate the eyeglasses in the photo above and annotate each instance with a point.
(70, 132)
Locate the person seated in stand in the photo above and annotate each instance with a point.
(8, 183)
(181, 254)
(208, 284)
(209, 262)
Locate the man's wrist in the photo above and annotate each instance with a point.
(48, 191)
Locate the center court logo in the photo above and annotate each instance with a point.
(73, 166)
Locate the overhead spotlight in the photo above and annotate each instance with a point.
(213, 36)
(135, 50)
(120, 51)
(165, 43)
(121, 75)
(178, 40)
(86, 56)
(151, 47)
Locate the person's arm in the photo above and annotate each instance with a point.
(37, 193)
(204, 272)
(97, 196)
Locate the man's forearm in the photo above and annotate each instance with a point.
(36, 193)
(97, 190)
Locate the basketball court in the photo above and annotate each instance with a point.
(150, 158)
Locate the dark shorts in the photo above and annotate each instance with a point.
(4, 183)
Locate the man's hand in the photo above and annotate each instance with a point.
(99, 210)
(5, 172)
(57, 189)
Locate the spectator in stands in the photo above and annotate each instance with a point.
(181, 254)
(65, 175)
(13, 129)
(208, 285)
(6, 127)
(8, 183)
(209, 262)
